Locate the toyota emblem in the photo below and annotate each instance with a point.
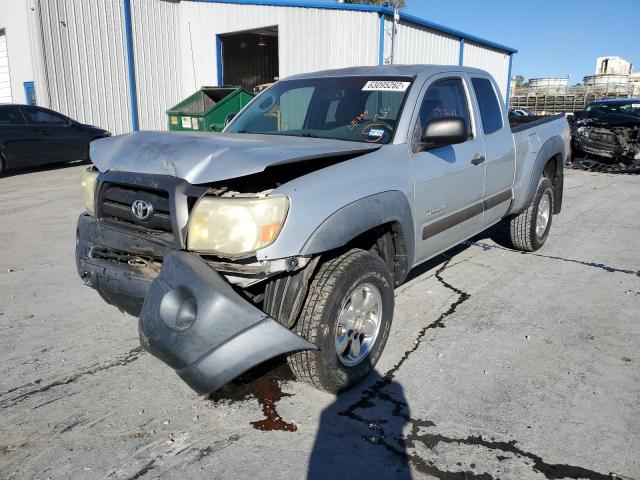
(141, 209)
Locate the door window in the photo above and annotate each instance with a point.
(11, 116)
(42, 117)
(445, 98)
(490, 110)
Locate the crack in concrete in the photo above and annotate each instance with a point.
(430, 440)
(550, 471)
(144, 470)
(601, 266)
(216, 447)
(125, 359)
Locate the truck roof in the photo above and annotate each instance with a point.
(613, 101)
(387, 70)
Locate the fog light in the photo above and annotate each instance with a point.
(178, 309)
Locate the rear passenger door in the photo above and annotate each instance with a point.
(499, 147)
(448, 180)
(57, 132)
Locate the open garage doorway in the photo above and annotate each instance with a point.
(248, 58)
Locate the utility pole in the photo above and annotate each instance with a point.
(394, 30)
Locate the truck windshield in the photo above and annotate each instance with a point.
(631, 108)
(361, 109)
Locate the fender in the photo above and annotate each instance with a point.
(360, 216)
(552, 147)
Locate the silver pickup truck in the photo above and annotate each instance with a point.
(287, 232)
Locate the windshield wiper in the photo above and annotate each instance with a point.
(310, 135)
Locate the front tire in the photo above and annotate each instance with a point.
(529, 230)
(347, 314)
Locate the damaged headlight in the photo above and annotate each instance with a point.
(583, 131)
(235, 226)
(88, 180)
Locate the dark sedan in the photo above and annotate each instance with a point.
(31, 136)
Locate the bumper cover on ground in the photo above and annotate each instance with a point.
(196, 323)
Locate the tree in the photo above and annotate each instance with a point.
(519, 79)
(385, 3)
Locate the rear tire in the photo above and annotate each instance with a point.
(347, 314)
(2, 166)
(529, 230)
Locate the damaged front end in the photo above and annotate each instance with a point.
(191, 315)
(199, 312)
(613, 139)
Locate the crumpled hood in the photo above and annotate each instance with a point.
(202, 157)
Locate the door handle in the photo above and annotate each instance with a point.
(478, 159)
(44, 132)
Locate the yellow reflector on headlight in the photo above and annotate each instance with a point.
(88, 183)
(235, 226)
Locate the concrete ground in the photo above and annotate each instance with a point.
(499, 365)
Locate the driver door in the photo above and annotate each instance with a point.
(449, 180)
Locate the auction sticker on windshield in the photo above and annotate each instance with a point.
(385, 86)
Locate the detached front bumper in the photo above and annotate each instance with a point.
(190, 317)
(196, 323)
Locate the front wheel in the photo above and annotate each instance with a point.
(529, 230)
(347, 315)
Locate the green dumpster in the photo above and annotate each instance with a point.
(207, 109)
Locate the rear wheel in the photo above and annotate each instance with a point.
(529, 230)
(2, 165)
(347, 314)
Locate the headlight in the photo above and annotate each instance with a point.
(235, 226)
(88, 183)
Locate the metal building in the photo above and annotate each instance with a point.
(120, 64)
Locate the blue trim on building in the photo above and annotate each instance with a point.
(219, 72)
(509, 81)
(301, 4)
(381, 41)
(131, 69)
(461, 59)
(29, 93)
(369, 8)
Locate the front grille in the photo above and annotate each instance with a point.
(116, 202)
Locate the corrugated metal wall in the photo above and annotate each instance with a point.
(416, 44)
(157, 50)
(85, 61)
(309, 38)
(493, 61)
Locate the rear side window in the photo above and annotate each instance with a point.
(490, 111)
(11, 116)
(42, 117)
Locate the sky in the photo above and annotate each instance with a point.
(553, 37)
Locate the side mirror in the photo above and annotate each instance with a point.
(228, 118)
(444, 131)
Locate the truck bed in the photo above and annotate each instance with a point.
(519, 124)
